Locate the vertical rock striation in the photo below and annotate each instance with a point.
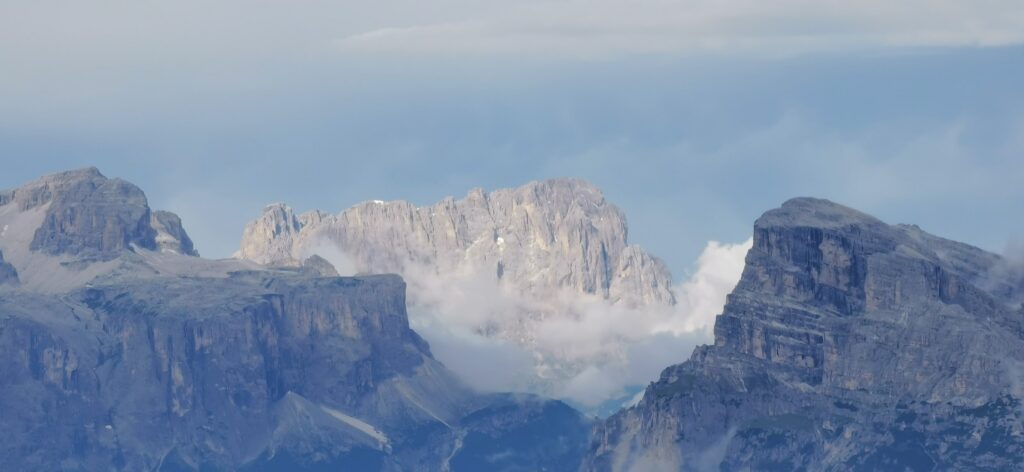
(538, 237)
(848, 344)
(526, 256)
(88, 215)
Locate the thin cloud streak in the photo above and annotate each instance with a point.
(608, 28)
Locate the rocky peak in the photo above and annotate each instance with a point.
(848, 344)
(815, 213)
(170, 235)
(269, 239)
(817, 251)
(91, 217)
(542, 235)
(282, 217)
(41, 191)
(544, 249)
(824, 263)
(564, 194)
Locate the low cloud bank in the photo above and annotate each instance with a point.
(564, 344)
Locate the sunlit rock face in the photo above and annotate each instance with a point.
(848, 344)
(503, 264)
(145, 358)
(541, 236)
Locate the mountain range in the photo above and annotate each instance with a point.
(847, 344)
(122, 350)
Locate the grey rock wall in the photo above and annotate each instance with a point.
(250, 371)
(91, 217)
(849, 344)
(8, 275)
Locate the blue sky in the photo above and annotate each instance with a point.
(694, 117)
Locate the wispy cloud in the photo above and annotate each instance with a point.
(228, 33)
(614, 27)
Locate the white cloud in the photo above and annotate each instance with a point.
(564, 344)
(703, 295)
(488, 364)
(342, 262)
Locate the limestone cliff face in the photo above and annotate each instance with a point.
(269, 239)
(539, 237)
(520, 259)
(189, 370)
(167, 362)
(847, 344)
(256, 371)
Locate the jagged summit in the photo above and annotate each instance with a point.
(270, 237)
(529, 231)
(547, 247)
(565, 188)
(533, 233)
(278, 208)
(559, 188)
